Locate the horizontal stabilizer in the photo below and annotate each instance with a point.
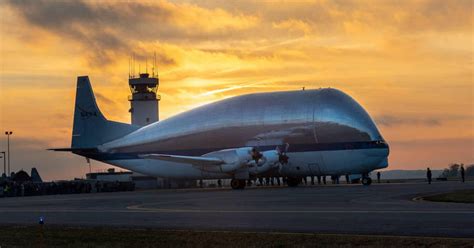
(200, 161)
(73, 149)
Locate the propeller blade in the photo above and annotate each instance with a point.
(283, 158)
(256, 155)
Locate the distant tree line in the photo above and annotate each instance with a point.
(454, 170)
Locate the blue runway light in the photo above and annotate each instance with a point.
(41, 220)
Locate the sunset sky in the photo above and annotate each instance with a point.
(409, 63)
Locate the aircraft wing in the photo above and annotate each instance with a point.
(194, 160)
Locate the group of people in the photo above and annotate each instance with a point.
(13, 188)
(272, 181)
(429, 175)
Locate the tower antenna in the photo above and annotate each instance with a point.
(153, 68)
(146, 65)
(133, 64)
(134, 68)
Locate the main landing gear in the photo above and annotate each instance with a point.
(237, 184)
(366, 180)
(293, 182)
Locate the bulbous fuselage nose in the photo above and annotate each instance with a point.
(338, 118)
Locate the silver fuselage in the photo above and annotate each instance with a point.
(328, 133)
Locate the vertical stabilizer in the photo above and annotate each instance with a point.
(90, 127)
(35, 176)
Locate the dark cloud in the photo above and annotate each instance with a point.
(105, 30)
(109, 30)
(391, 120)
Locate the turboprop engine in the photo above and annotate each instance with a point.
(233, 159)
(268, 160)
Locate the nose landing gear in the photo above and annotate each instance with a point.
(293, 182)
(237, 184)
(366, 180)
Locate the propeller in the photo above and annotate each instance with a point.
(256, 155)
(282, 157)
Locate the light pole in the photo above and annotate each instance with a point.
(4, 163)
(89, 162)
(8, 133)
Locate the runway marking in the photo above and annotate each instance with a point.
(67, 211)
(316, 233)
(169, 210)
(138, 209)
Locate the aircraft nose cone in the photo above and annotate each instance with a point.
(378, 149)
(378, 155)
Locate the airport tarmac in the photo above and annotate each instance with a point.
(381, 209)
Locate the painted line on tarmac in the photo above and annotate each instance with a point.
(138, 209)
(171, 210)
(2, 210)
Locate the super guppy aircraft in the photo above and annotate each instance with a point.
(290, 134)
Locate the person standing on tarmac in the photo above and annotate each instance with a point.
(428, 175)
(378, 176)
(463, 176)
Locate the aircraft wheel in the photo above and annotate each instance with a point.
(293, 182)
(242, 184)
(237, 184)
(366, 181)
(234, 183)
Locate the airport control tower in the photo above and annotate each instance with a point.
(144, 100)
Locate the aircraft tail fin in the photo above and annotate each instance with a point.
(90, 127)
(35, 176)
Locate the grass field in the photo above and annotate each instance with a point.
(463, 196)
(57, 236)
